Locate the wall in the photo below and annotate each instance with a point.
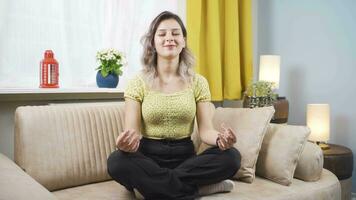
(317, 43)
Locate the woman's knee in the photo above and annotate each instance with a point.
(117, 163)
(233, 159)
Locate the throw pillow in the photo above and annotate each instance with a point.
(250, 126)
(280, 152)
(310, 163)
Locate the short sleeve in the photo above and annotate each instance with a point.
(201, 89)
(135, 89)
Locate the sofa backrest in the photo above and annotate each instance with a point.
(67, 145)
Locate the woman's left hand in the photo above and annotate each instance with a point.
(227, 138)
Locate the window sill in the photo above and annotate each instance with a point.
(26, 94)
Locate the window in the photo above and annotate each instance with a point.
(75, 31)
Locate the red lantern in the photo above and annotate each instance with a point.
(49, 71)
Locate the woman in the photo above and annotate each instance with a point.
(155, 153)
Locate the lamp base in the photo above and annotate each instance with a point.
(323, 145)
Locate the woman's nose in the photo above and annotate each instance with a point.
(169, 38)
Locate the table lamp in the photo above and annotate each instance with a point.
(318, 120)
(269, 70)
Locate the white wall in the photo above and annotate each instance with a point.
(317, 43)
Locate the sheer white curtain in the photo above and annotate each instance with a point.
(75, 31)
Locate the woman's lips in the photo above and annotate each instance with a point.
(169, 46)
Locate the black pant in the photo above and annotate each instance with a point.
(163, 169)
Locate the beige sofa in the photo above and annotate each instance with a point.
(61, 152)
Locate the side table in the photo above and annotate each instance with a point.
(339, 160)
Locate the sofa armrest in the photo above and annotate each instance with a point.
(310, 163)
(15, 184)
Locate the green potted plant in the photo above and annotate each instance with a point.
(110, 68)
(259, 94)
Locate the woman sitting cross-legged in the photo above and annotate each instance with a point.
(155, 155)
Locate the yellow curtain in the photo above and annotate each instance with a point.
(220, 36)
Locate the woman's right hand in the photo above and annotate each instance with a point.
(128, 141)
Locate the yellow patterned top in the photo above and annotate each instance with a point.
(168, 116)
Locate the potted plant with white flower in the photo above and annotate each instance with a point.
(259, 94)
(111, 63)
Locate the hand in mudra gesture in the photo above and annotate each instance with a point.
(226, 139)
(128, 141)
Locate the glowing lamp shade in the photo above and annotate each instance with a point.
(318, 120)
(270, 69)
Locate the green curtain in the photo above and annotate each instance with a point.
(220, 36)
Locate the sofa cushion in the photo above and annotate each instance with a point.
(280, 151)
(328, 187)
(250, 126)
(310, 163)
(108, 190)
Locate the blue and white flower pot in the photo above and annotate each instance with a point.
(110, 81)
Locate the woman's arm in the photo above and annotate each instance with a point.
(205, 113)
(132, 115)
(207, 133)
(129, 139)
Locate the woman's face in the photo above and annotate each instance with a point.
(169, 40)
